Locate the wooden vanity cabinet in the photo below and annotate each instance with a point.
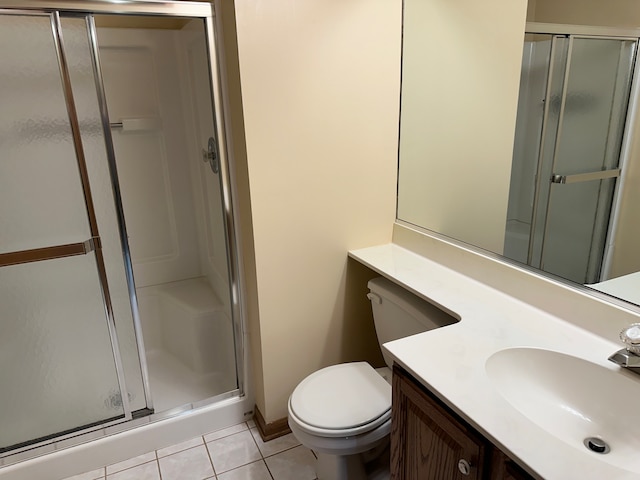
(503, 468)
(429, 442)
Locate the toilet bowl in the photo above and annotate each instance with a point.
(343, 412)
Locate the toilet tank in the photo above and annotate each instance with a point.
(398, 313)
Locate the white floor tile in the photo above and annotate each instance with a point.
(192, 464)
(295, 464)
(233, 451)
(236, 453)
(276, 445)
(254, 471)
(225, 432)
(92, 475)
(132, 462)
(251, 423)
(194, 442)
(147, 471)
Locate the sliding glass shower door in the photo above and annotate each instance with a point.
(571, 118)
(71, 316)
(61, 365)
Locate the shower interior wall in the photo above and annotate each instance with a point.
(156, 83)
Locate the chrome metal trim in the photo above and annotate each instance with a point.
(45, 253)
(56, 28)
(626, 359)
(607, 37)
(117, 196)
(585, 177)
(131, 7)
(563, 104)
(89, 245)
(222, 125)
(543, 135)
(65, 78)
(582, 30)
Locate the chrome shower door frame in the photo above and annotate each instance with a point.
(541, 203)
(195, 10)
(93, 244)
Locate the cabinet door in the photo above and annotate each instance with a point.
(427, 441)
(503, 468)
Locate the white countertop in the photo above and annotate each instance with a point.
(626, 286)
(450, 361)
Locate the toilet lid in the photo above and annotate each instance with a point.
(341, 397)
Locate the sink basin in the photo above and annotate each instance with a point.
(573, 399)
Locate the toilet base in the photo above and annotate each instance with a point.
(340, 467)
(370, 465)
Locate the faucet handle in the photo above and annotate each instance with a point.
(630, 336)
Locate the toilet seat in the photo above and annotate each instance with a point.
(341, 400)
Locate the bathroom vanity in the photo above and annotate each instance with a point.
(514, 389)
(430, 442)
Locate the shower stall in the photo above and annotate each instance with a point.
(119, 278)
(572, 108)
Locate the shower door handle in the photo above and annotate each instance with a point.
(211, 155)
(586, 177)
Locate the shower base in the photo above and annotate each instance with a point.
(188, 342)
(173, 384)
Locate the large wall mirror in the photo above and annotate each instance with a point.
(521, 136)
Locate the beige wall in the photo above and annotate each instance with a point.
(240, 178)
(459, 96)
(320, 83)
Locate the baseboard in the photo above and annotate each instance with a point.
(269, 431)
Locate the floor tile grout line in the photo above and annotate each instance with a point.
(158, 465)
(213, 467)
(206, 445)
(276, 453)
(177, 451)
(261, 455)
(128, 468)
(226, 436)
(268, 469)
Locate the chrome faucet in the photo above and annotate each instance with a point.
(629, 357)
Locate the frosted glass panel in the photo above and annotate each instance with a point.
(595, 106)
(526, 148)
(572, 230)
(55, 350)
(594, 110)
(41, 198)
(544, 170)
(77, 48)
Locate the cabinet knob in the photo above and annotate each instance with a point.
(464, 467)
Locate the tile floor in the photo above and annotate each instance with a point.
(234, 453)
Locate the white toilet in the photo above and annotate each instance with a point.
(343, 412)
